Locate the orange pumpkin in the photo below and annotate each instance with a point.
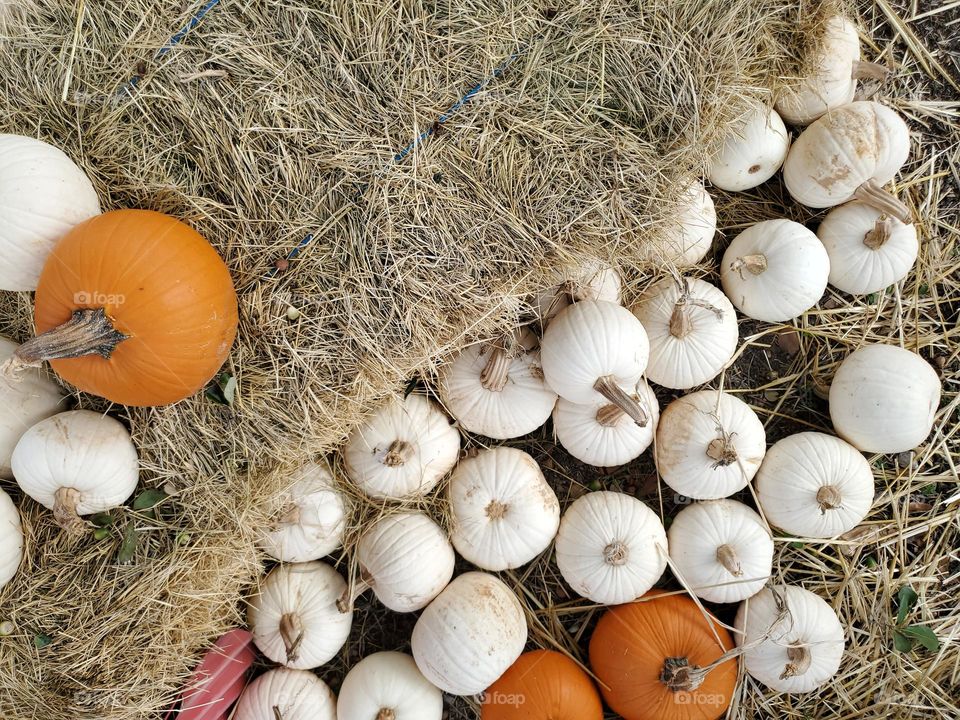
(649, 655)
(542, 685)
(134, 306)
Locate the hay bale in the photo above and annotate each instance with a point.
(268, 123)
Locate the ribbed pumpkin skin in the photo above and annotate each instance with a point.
(631, 643)
(543, 685)
(162, 284)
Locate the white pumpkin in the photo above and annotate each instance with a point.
(43, 194)
(388, 686)
(406, 559)
(722, 550)
(285, 694)
(24, 403)
(775, 270)
(503, 512)
(592, 280)
(469, 635)
(709, 445)
(814, 485)
(692, 329)
(496, 391)
(849, 153)
(294, 617)
(792, 639)
(593, 352)
(309, 518)
(688, 234)
(868, 249)
(751, 153)
(832, 79)
(11, 539)
(611, 548)
(603, 435)
(884, 399)
(403, 451)
(76, 463)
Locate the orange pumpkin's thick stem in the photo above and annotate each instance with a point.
(87, 332)
(680, 676)
(607, 386)
(873, 194)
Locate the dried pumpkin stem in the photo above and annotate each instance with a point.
(873, 194)
(616, 553)
(727, 557)
(290, 515)
(496, 509)
(680, 323)
(799, 657)
(87, 332)
(607, 386)
(609, 415)
(880, 233)
(863, 70)
(828, 498)
(277, 715)
(722, 451)
(496, 372)
(291, 631)
(346, 601)
(386, 714)
(399, 452)
(680, 676)
(65, 510)
(754, 264)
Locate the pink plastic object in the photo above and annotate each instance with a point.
(219, 679)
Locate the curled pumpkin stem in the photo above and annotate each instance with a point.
(873, 194)
(607, 386)
(399, 452)
(828, 498)
(496, 372)
(291, 631)
(87, 332)
(879, 234)
(755, 264)
(65, 502)
(727, 557)
(863, 70)
(680, 676)
(609, 415)
(800, 658)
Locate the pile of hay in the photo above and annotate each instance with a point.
(270, 122)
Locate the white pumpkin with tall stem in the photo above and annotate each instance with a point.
(388, 686)
(611, 548)
(285, 694)
(850, 153)
(722, 550)
(308, 519)
(709, 445)
(77, 463)
(294, 616)
(594, 353)
(405, 558)
(814, 485)
(884, 399)
(592, 280)
(752, 151)
(497, 389)
(692, 329)
(687, 235)
(403, 451)
(24, 403)
(775, 270)
(11, 539)
(469, 636)
(869, 250)
(603, 435)
(504, 513)
(792, 640)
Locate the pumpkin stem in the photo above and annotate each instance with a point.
(291, 630)
(87, 332)
(496, 372)
(386, 714)
(496, 509)
(754, 264)
(680, 676)
(608, 387)
(399, 452)
(65, 510)
(880, 233)
(346, 601)
(829, 498)
(609, 415)
(680, 323)
(722, 451)
(869, 71)
(727, 557)
(799, 657)
(873, 194)
(616, 553)
(290, 515)
(277, 715)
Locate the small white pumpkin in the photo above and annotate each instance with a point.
(868, 249)
(792, 639)
(310, 517)
(709, 445)
(503, 511)
(285, 694)
(611, 548)
(692, 329)
(592, 280)
(687, 236)
(814, 485)
(294, 617)
(775, 270)
(884, 399)
(497, 389)
(24, 403)
(849, 153)
(722, 549)
(43, 194)
(11, 539)
(76, 463)
(603, 435)
(388, 686)
(752, 151)
(469, 635)
(592, 352)
(403, 451)
(406, 559)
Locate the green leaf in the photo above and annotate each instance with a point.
(797, 545)
(101, 533)
(218, 390)
(901, 642)
(148, 500)
(906, 599)
(595, 485)
(128, 548)
(922, 634)
(230, 390)
(40, 640)
(102, 519)
(870, 562)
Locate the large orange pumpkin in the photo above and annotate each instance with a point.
(542, 685)
(134, 306)
(647, 655)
